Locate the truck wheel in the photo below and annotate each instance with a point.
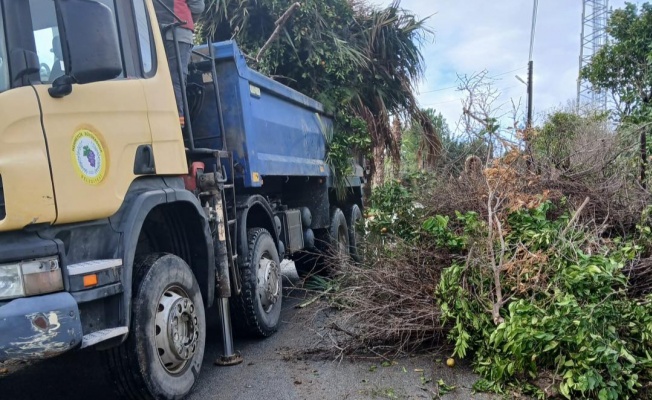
(353, 217)
(333, 241)
(163, 354)
(339, 234)
(257, 310)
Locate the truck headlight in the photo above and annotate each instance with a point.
(11, 282)
(30, 278)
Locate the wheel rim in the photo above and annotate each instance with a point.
(269, 282)
(177, 330)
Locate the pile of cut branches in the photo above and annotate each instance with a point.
(389, 309)
(639, 275)
(386, 304)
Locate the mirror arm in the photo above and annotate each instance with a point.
(61, 87)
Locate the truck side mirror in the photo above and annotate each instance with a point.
(89, 34)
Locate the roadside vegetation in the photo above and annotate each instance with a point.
(534, 267)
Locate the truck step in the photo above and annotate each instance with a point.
(105, 334)
(94, 266)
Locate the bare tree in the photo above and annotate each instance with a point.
(481, 112)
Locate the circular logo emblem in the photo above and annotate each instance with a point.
(88, 157)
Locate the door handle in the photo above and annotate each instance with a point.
(144, 161)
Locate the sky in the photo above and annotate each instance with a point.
(475, 35)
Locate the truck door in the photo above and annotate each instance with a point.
(96, 132)
(26, 195)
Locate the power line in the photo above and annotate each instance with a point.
(460, 98)
(491, 77)
(440, 90)
(509, 72)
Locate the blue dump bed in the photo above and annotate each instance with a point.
(271, 129)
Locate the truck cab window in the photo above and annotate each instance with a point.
(4, 68)
(47, 39)
(144, 38)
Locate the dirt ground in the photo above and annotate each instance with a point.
(275, 368)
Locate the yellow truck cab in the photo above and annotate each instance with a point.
(118, 229)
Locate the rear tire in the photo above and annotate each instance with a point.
(338, 234)
(257, 310)
(331, 243)
(353, 218)
(163, 354)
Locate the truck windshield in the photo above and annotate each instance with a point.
(4, 68)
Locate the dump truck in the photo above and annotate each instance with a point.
(119, 228)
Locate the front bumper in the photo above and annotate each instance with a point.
(35, 328)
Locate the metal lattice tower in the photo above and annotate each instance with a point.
(595, 14)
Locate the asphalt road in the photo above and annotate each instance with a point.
(274, 368)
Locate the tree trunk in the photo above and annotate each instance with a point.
(643, 156)
(491, 147)
(397, 133)
(378, 166)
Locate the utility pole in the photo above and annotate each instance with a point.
(530, 88)
(530, 83)
(530, 65)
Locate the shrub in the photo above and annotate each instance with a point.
(394, 211)
(567, 326)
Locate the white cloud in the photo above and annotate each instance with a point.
(474, 35)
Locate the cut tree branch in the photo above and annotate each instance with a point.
(575, 216)
(280, 23)
(496, 268)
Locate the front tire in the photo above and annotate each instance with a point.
(164, 351)
(257, 310)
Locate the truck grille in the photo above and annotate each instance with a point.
(3, 211)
